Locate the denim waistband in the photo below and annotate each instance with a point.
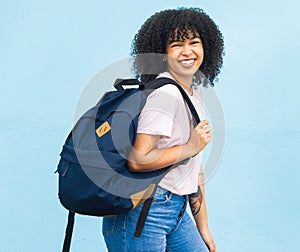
(160, 191)
(179, 200)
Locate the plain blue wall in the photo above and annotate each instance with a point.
(51, 49)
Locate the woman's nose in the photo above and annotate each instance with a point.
(186, 49)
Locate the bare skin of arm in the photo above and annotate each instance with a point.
(145, 157)
(201, 215)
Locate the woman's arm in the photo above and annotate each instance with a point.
(200, 216)
(145, 157)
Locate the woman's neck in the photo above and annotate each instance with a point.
(185, 83)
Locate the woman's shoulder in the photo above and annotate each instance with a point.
(167, 89)
(167, 94)
(170, 89)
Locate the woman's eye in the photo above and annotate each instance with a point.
(175, 45)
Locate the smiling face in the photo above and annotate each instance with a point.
(185, 56)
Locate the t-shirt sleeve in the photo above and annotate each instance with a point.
(157, 116)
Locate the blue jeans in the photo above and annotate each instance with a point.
(168, 227)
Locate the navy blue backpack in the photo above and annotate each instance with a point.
(93, 175)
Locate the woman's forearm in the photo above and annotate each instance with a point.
(201, 217)
(146, 157)
(158, 158)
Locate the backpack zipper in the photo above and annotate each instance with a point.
(66, 170)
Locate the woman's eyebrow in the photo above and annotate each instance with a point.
(181, 40)
(175, 41)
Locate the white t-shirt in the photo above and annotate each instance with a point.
(166, 113)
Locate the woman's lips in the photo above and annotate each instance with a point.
(187, 62)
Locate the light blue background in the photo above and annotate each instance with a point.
(51, 49)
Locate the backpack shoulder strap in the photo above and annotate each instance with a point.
(69, 232)
(142, 218)
(159, 82)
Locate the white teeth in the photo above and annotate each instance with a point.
(187, 62)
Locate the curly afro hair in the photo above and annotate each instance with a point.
(149, 44)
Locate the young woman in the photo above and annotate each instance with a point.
(186, 46)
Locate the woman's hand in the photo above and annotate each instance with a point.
(200, 136)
